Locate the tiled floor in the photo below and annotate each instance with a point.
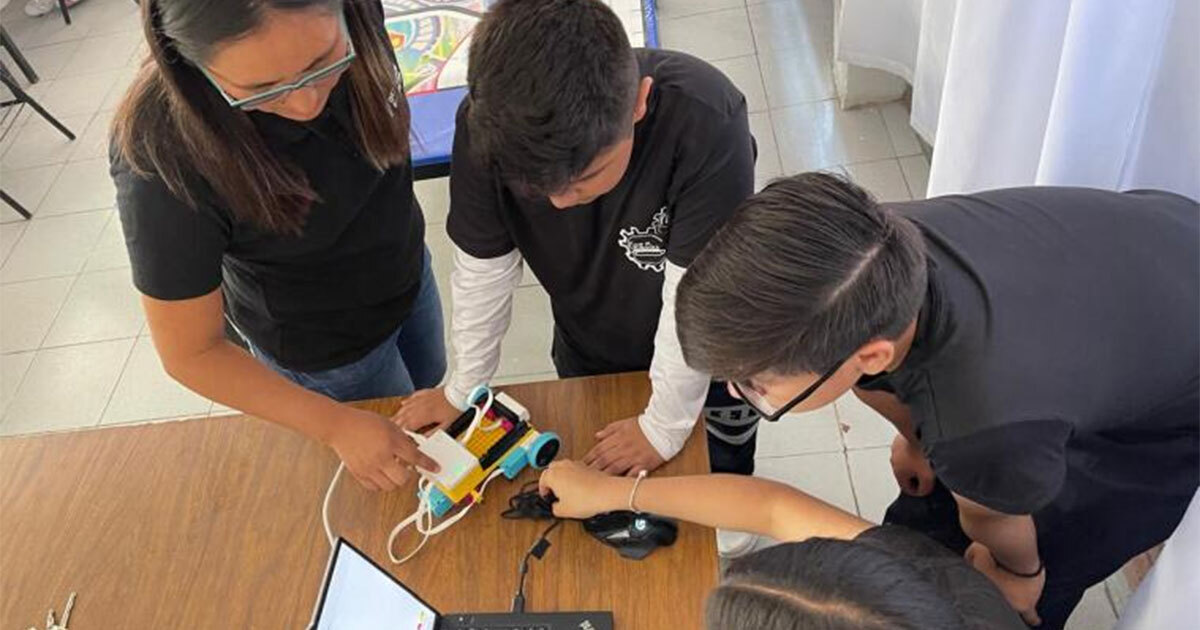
(73, 341)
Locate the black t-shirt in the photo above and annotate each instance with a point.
(982, 606)
(315, 301)
(1057, 356)
(602, 263)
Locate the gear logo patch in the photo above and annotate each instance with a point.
(647, 248)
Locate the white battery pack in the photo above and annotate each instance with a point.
(454, 458)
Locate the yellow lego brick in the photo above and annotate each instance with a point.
(482, 440)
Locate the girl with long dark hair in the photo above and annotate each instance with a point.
(261, 159)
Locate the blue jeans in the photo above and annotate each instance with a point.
(413, 357)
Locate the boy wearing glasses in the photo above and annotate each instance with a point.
(605, 169)
(1036, 348)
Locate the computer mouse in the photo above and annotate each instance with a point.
(633, 534)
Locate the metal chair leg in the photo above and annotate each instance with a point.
(62, 5)
(15, 52)
(24, 97)
(50, 118)
(15, 205)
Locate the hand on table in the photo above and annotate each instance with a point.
(376, 451)
(1022, 593)
(424, 409)
(911, 468)
(622, 449)
(581, 491)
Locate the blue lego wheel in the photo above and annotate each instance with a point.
(543, 450)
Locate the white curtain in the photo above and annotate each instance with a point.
(1099, 93)
(1167, 597)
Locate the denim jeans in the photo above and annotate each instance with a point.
(413, 357)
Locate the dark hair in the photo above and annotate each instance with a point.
(825, 584)
(552, 83)
(802, 275)
(174, 125)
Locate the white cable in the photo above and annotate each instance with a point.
(496, 424)
(325, 504)
(480, 412)
(422, 513)
(423, 519)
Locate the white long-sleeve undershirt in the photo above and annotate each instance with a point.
(482, 293)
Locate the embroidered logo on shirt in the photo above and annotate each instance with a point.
(647, 248)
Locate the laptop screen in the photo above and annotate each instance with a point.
(359, 595)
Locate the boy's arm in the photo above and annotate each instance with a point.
(1000, 476)
(1004, 546)
(1012, 538)
(678, 391)
(727, 501)
(482, 293)
(678, 394)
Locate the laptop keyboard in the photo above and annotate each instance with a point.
(506, 627)
(529, 621)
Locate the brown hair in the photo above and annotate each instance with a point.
(803, 274)
(172, 123)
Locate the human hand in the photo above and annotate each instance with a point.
(1022, 593)
(582, 491)
(376, 451)
(911, 468)
(426, 408)
(623, 449)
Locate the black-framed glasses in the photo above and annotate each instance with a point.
(759, 404)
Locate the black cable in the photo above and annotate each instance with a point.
(537, 550)
(528, 503)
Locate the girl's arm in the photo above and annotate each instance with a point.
(190, 338)
(726, 501)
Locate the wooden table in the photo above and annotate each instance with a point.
(215, 523)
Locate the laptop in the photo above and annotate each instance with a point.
(359, 595)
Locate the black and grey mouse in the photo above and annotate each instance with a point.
(634, 535)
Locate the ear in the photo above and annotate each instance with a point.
(875, 356)
(643, 97)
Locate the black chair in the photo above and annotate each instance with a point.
(22, 63)
(20, 98)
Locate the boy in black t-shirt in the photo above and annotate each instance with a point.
(605, 169)
(1036, 348)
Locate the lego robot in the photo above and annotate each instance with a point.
(496, 432)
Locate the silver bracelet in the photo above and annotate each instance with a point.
(633, 492)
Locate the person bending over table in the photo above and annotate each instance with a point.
(606, 169)
(834, 570)
(262, 172)
(1036, 348)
